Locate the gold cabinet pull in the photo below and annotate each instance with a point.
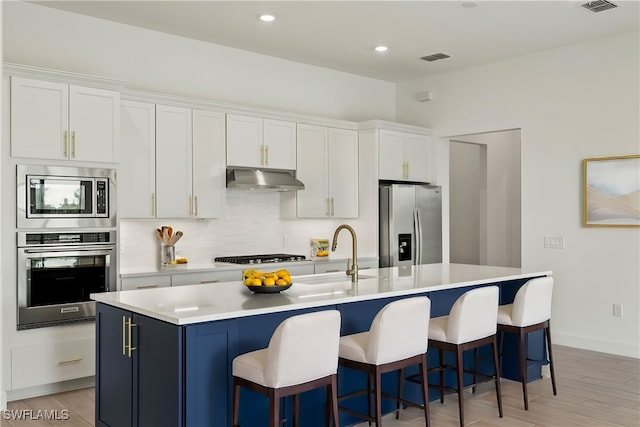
(73, 144)
(66, 143)
(190, 204)
(266, 155)
(195, 204)
(407, 171)
(153, 204)
(129, 346)
(332, 208)
(67, 361)
(261, 155)
(328, 203)
(124, 336)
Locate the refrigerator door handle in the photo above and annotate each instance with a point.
(417, 230)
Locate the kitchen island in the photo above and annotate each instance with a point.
(164, 355)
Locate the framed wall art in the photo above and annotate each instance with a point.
(611, 192)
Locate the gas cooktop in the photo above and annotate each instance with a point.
(259, 259)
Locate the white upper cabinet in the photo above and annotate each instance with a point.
(57, 121)
(174, 196)
(209, 174)
(137, 170)
(327, 161)
(172, 162)
(260, 143)
(404, 156)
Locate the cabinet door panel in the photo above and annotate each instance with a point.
(312, 202)
(391, 155)
(208, 164)
(280, 144)
(114, 372)
(343, 173)
(244, 140)
(158, 384)
(418, 157)
(173, 162)
(138, 163)
(94, 124)
(39, 118)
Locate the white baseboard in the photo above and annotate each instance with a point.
(42, 390)
(611, 347)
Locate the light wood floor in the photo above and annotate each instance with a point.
(594, 389)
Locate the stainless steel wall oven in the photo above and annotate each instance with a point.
(58, 271)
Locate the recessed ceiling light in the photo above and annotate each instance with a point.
(469, 4)
(381, 48)
(267, 17)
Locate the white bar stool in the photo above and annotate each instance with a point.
(302, 355)
(396, 339)
(471, 324)
(530, 311)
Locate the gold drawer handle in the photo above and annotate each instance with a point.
(146, 286)
(66, 362)
(209, 281)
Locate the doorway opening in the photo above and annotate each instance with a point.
(485, 198)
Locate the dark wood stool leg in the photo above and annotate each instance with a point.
(378, 386)
(400, 384)
(441, 362)
(425, 391)
(236, 402)
(333, 397)
(496, 364)
(475, 369)
(523, 366)
(550, 351)
(370, 392)
(296, 410)
(459, 371)
(274, 408)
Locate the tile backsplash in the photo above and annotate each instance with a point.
(251, 225)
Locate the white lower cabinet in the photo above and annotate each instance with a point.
(145, 282)
(333, 266)
(46, 363)
(205, 277)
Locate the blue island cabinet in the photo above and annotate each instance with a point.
(139, 380)
(152, 373)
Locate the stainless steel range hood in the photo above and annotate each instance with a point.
(260, 179)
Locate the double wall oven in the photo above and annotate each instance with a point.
(66, 242)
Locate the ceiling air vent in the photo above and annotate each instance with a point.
(435, 57)
(599, 5)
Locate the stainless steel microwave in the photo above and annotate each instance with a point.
(65, 197)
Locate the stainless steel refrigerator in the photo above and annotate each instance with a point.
(410, 224)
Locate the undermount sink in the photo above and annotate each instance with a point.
(318, 279)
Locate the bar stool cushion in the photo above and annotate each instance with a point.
(531, 305)
(390, 338)
(303, 348)
(467, 320)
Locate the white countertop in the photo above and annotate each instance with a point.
(217, 301)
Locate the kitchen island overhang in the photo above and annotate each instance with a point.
(174, 346)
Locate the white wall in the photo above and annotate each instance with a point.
(571, 103)
(497, 185)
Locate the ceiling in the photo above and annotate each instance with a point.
(341, 35)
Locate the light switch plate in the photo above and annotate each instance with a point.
(554, 242)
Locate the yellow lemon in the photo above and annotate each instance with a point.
(282, 273)
(287, 279)
(269, 281)
(247, 281)
(256, 282)
(280, 282)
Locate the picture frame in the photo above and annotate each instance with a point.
(611, 191)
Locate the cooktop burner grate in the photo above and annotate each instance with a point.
(259, 259)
